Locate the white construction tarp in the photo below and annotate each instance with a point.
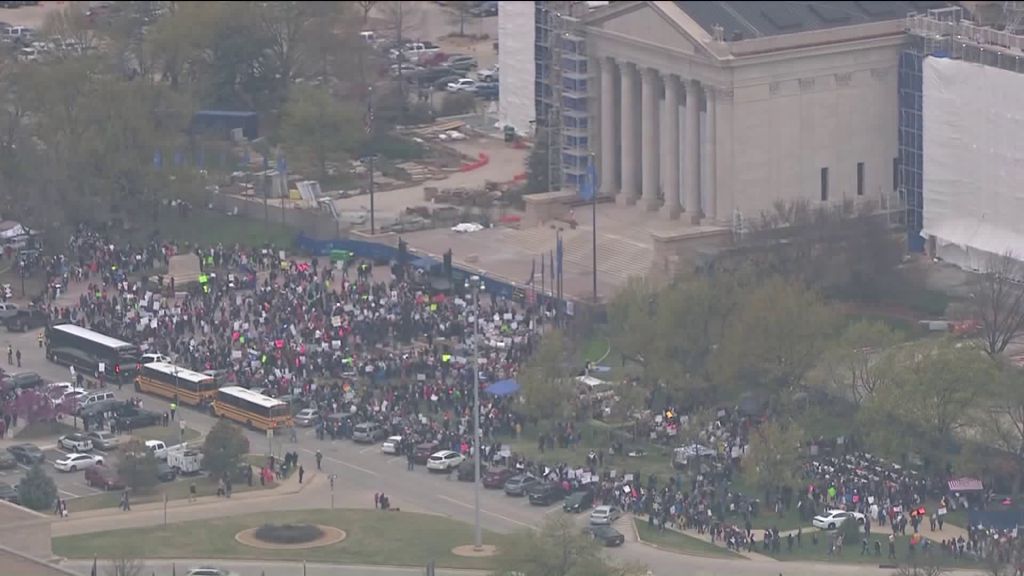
(973, 197)
(516, 59)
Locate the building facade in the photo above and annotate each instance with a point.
(716, 111)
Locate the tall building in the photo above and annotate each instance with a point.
(716, 111)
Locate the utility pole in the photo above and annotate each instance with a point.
(477, 440)
(371, 156)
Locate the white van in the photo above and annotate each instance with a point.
(94, 398)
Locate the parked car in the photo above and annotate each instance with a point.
(462, 85)
(606, 535)
(151, 357)
(467, 469)
(165, 473)
(402, 69)
(24, 380)
(103, 440)
(545, 493)
(445, 460)
(460, 62)
(443, 82)
(9, 493)
(368, 432)
(392, 445)
(518, 485)
(132, 418)
(26, 453)
(423, 451)
(7, 462)
(604, 515)
(307, 417)
(8, 310)
(488, 90)
(578, 501)
(75, 442)
(67, 399)
(495, 478)
(430, 75)
(832, 519)
(489, 74)
(26, 319)
(484, 9)
(104, 479)
(75, 462)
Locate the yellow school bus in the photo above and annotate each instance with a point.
(252, 408)
(177, 384)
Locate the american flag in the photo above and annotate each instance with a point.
(369, 112)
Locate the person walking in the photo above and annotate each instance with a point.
(39, 339)
(319, 458)
(192, 491)
(18, 356)
(174, 408)
(302, 472)
(10, 355)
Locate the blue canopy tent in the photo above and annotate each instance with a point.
(503, 387)
(424, 263)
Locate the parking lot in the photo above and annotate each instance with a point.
(69, 484)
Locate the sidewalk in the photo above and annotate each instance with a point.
(704, 538)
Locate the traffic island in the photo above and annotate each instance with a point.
(290, 536)
(470, 551)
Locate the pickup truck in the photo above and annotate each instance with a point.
(160, 449)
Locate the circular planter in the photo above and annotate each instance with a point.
(331, 535)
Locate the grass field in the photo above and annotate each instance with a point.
(676, 541)
(373, 537)
(39, 430)
(851, 553)
(176, 490)
(208, 228)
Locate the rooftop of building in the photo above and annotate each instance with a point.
(758, 19)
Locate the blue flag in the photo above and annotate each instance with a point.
(559, 256)
(179, 159)
(282, 166)
(158, 160)
(588, 188)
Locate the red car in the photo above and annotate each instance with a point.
(99, 477)
(423, 451)
(495, 478)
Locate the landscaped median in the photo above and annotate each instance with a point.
(371, 537)
(680, 542)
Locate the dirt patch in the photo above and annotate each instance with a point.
(331, 536)
(469, 551)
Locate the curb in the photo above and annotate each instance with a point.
(636, 532)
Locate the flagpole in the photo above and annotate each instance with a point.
(369, 132)
(593, 223)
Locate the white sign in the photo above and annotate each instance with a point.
(102, 368)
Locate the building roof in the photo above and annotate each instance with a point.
(746, 20)
(18, 564)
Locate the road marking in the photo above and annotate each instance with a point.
(335, 460)
(395, 459)
(72, 494)
(554, 508)
(489, 513)
(367, 449)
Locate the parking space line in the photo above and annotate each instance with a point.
(367, 449)
(395, 459)
(72, 494)
(489, 513)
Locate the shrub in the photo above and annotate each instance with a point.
(459, 103)
(37, 490)
(288, 533)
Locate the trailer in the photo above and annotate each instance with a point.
(184, 459)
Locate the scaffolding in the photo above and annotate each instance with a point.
(944, 33)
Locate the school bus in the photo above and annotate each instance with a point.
(180, 385)
(252, 408)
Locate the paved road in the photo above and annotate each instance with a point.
(264, 568)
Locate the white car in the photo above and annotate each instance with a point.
(489, 74)
(62, 387)
(76, 443)
(76, 462)
(604, 515)
(208, 571)
(391, 445)
(462, 85)
(444, 460)
(307, 417)
(68, 397)
(832, 519)
(151, 357)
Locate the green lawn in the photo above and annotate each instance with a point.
(597, 435)
(682, 543)
(38, 430)
(851, 554)
(176, 490)
(373, 537)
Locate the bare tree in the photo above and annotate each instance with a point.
(998, 302)
(926, 566)
(366, 6)
(126, 567)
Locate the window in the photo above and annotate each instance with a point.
(860, 178)
(824, 184)
(896, 173)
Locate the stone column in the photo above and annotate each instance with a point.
(709, 180)
(651, 153)
(609, 139)
(691, 165)
(630, 135)
(670, 159)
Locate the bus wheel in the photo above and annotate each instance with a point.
(137, 387)
(248, 423)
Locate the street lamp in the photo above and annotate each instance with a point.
(476, 284)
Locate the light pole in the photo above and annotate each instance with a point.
(475, 283)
